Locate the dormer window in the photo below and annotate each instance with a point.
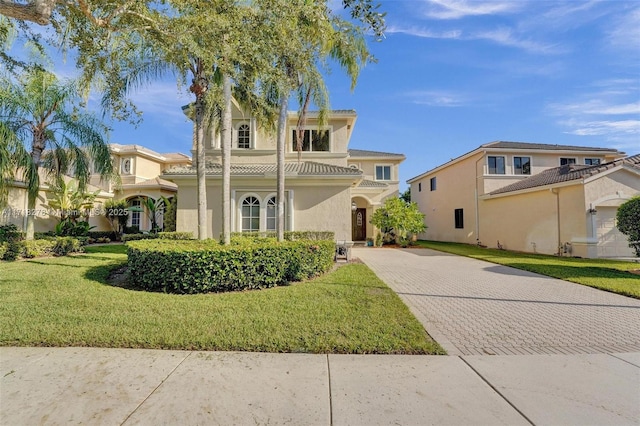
(244, 136)
(313, 140)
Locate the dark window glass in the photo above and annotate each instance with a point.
(592, 161)
(312, 140)
(567, 161)
(433, 183)
(522, 165)
(244, 136)
(496, 165)
(383, 172)
(459, 218)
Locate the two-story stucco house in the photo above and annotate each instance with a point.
(328, 187)
(552, 199)
(139, 169)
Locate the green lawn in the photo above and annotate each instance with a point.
(604, 274)
(66, 301)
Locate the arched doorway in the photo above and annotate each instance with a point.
(359, 219)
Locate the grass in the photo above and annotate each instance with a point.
(66, 301)
(609, 275)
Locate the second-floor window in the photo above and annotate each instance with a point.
(244, 136)
(496, 165)
(383, 172)
(313, 140)
(126, 166)
(567, 161)
(433, 183)
(522, 165)
(592, 161)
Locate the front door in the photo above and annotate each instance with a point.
(359, 225)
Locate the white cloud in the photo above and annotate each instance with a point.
(438, 98)
(506, 37)
(601, 128)
(625, 31)
(596, 107)
(424, 33)
(456, 9)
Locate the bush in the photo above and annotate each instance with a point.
(10, 232)
(398, 220)
(132, 230)
(628, 218)
(176, 235)
(206, 266)
(12, 249)
(66, 245)
(37, 248)
(289, 235)
(96, 235)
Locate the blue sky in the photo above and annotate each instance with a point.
(452, 75)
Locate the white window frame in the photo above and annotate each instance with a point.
(123, 162)
(292, 132)
(236, 135)
(375, 171)
(513, 164)
(263, 204)
(504, 165)
(575, 161)
(241, 215)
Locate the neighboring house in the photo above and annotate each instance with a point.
(552, 199)
(139, 170)
(328, 188)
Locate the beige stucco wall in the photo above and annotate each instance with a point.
(45, 218)
(455, 189)
(529, 222)
(317, 206)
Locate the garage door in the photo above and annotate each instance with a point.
(611, 242)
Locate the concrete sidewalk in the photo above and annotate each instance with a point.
(56, 386)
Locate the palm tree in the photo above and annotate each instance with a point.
(45, 127)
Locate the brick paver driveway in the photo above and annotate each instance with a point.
(472, 307)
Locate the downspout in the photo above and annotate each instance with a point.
(557, 192)
(484, 153)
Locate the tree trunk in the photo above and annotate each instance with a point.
(199, 89)
(226, 160)
(33, 182)
(280, 150)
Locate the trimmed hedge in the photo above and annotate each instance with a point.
(196, 266)
(288, 235)
(28, 249)
(158, 235)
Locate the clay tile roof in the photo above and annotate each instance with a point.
(372, 184)
(307, 168)
(568, 173)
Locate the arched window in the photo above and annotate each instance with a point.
(271, 214)
(244, 136)
(250, 214)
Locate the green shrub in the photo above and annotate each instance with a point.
(12, 249)
(37, 248)
(96, 235)
(197, 266)
(136, 237)
(628, 222)
(66, 245)
(10, 232)
(289, 235)
(176, 235)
